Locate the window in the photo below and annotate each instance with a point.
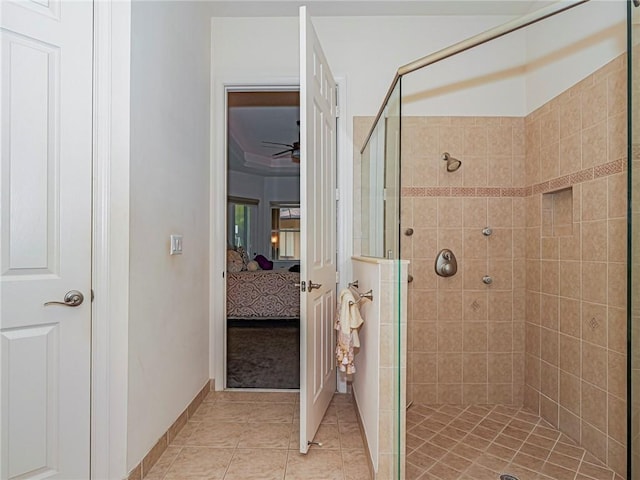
(242, 215)
(285, 231)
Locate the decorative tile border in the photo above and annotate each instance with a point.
(609, 168)
(150, 459)
(604, 170)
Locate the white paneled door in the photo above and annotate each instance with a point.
(318, 232)
(45, 244)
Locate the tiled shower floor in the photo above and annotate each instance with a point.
(255, 435)
(480, 442)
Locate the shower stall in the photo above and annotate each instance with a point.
(516, 228)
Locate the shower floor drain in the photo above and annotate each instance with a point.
(506, 476)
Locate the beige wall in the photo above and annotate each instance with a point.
(576, 269)
(466, 339)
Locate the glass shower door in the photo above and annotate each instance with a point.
(380, 214)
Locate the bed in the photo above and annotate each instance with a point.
(264, 294)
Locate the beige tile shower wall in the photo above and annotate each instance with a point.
(466, 339)
(575, 367)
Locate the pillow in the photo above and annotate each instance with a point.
(294, 268)
(252, 266)
(244, 256)
(234, 261)
(264, 263)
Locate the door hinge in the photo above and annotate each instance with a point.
(337, 276)
(337, 194)
(337, 111)
(92, 295)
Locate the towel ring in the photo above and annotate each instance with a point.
(361, 296)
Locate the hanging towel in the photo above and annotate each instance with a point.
(348, 320)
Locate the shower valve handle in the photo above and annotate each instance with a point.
(446, 264)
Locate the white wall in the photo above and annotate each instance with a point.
(246, 185)
(566, 48)
(366, 380)
(367, 51)
(488, 80)
(169, 295)
(282, 189)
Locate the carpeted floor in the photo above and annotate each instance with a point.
(263, 353)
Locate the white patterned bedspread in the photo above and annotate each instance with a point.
(263, 294)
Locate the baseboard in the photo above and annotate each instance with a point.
(367, 452)
(142, 469)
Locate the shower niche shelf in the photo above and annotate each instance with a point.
(557, 213)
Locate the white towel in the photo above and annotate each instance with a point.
(348, 320)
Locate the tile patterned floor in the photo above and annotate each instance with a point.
(480, 442)
(252, 435)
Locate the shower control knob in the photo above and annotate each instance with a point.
(408, 232)
(487, 280)
(446, 270)
(446, 263)
(486, 231)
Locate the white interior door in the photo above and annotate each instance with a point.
(318, 232)
(45, 216)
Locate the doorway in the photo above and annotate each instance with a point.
(262, 322)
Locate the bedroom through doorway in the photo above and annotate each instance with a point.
(263, 238)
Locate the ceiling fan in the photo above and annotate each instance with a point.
(292, 150)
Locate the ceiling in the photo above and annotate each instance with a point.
(256, 117)
(269, 8)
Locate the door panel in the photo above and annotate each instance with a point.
(318, 231)
(45, 244)
(31, 163)
(33, 393)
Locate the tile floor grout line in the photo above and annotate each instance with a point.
(172, 462)
(546, 459)
(493, 440)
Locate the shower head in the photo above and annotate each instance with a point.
(453, 164)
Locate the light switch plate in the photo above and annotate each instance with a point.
(176, 245)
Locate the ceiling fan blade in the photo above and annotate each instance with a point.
(269, 144)
(287, 151)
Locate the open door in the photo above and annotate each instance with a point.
(318, 232)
